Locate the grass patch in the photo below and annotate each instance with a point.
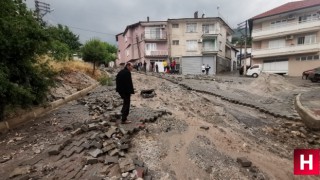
(71, 66)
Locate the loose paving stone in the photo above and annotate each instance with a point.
(244, 162)
(55, 150)
(126, 164)
(124, 147)
(76, 132)
(138, 163)
(86, 145)
(20, 171)
(93, 126)
(74, 172)
(95, 153)
(111, 131)
(113, 152)
(111, 159)
(90, 160)
(96, 144)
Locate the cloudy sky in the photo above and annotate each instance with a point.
(104, 19)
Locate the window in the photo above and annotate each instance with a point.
(175, 42)
(151, 46)
(191, 27)
(254, 67)
(209, 45)
(309, 39)
(175, 25)
(208, 29)
(316, 57)
(278, 43)
(300, 40)
(192, 45)
(220, 46)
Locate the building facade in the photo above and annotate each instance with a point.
(286, 38)
(196, 41)
(144, 42)
(190, 42)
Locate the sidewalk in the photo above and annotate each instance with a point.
(308, 106)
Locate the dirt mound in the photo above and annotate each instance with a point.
(69, 83)
(269, 83)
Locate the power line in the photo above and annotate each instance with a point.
(90, 30)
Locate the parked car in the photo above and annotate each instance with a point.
(314, 75)
(305, 74)
(254, 70)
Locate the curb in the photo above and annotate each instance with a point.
(309, 119)
(37, 112)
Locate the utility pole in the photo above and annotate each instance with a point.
(42, 9)
(241, 26)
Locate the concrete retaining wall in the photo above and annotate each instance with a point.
(309, 119)
(36, 112)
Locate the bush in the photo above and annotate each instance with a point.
(105, 81)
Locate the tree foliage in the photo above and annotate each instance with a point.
(23, 81)
(64, 42)
(96, 51)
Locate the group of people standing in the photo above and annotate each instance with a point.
(205, 69)
(169, 67)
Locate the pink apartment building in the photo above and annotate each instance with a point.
(144, 41)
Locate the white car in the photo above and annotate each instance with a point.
(254, 70)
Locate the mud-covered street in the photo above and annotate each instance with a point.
(180, 133)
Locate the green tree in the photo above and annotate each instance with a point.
(23, 81)
(64, 35)
(60, 51)
(95, 51)
(64, 42)
(111, 52)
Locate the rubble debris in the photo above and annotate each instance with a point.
(244, 162)
(150, 93)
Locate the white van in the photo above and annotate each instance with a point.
(254, 70)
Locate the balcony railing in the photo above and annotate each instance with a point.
(154, 35)
(286, 29)
(287, 50)
(158, 53)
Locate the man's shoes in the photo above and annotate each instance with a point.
(126, 122)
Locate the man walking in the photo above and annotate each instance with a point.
(124, 87)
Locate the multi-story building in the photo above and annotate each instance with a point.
(286, 38)
(197, 41)
(191, 42)
(143, 42)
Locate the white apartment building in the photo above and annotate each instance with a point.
(196, 41)
(287, 37)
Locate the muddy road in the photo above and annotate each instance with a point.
(205, 135)
(201, 137)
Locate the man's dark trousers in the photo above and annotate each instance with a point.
(126, 106)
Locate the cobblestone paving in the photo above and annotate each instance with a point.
(70, 144)
(281, 107)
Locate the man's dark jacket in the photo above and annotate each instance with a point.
(124, 82)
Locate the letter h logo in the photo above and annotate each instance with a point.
(306, 162)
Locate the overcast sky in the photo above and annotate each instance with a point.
(104, 19)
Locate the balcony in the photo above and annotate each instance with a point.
(210, 34)
(209, 50)
(154, 36)
(286, 29)
(287, 50)
(156, 53)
